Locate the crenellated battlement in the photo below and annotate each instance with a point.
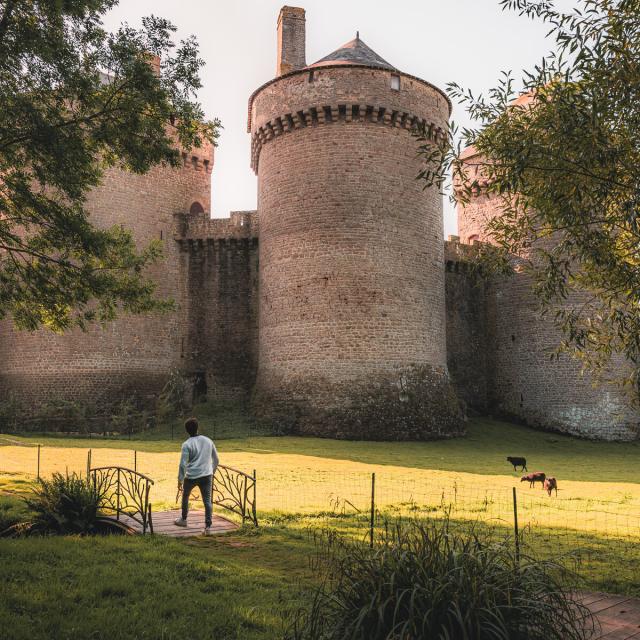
(198, 159)
(457, 255)
(327, 114)
(196, 229)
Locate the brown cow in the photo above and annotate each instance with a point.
(550, 484)
(532, 478)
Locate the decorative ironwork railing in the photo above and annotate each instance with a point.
(236, 491)
(125, 492)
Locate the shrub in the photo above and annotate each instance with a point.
(424, 581)
(63, 415)
(172, 401)
(10, 412)
(126, 415)
(12, 511)
(66, 504)
(56, 415)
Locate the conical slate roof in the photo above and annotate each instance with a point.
(354, 52)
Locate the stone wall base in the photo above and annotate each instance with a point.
(412, 404)
(52, 398)
(614, 428)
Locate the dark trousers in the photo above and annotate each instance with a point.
(205, 484)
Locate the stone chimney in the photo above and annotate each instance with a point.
(154, 62)
(291, 40)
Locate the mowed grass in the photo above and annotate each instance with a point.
(311, 482)
(231, 587)
(482, 451)
(599, 488)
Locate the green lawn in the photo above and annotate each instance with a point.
(128, 587)
(482, 451)
(240, 586)
(232, 587)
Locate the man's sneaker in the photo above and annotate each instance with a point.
(179, 522)
(207, 531)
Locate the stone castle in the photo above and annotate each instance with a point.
(336, 306)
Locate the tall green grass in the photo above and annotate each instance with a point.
(61, 505)
(425, 580)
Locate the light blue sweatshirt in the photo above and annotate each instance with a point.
(199, 458)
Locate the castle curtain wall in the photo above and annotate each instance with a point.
(467, 331)
(134, 354)
(220, 350)
(527, 384)
(523, 381)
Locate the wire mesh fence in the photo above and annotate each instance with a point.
(221, 419)
(602, 533)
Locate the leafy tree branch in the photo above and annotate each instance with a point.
(561, 162)
(76, 100)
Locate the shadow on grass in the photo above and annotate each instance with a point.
(151, 587)
(482, 451)
(602, 563)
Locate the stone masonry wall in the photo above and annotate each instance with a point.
(132, 355)
(467, 335)
(222, 303)
(499, 352)
(525, 383)
(522, 379)
(475, 215)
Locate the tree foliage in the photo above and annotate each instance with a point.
(74, 101)
(564, 165)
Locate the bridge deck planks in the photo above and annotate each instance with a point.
(163, 524)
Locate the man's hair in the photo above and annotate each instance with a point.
(191, 425)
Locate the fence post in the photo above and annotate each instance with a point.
(135, 460)
(253, 507)
(515, 526)
(373, 508)
(38, 469)
(88, 463)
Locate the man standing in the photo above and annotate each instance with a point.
(198, 463)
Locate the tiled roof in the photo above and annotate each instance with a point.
(354, 52)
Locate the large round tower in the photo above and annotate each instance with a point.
(352, 307)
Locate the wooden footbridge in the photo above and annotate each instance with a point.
(125, 495)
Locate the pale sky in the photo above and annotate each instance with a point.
(466, 41)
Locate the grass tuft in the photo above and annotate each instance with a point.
(424, 580)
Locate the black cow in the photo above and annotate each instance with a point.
(518, 462)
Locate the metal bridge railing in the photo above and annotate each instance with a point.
(125, 492)
(235, 491)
